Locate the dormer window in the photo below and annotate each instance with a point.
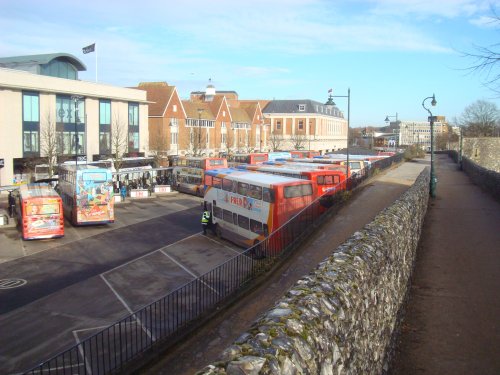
(302, 107)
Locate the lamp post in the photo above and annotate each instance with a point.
(76, 99)
(332, 103)
(200, 111)
(433, 182)
(387, 118)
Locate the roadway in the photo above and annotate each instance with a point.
(69, 288)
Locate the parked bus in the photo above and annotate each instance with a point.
(355, 166)
(304, 153)
(327, 181)
(246, 206)
(39, 212)
(87, 194)
(254, 158)
(188, 174)
(278, 155)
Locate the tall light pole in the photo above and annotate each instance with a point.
(76, 99)
(387, 118)
(433, 182)
(200, 111)
(330, 102)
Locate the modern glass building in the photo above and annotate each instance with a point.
(46, 110)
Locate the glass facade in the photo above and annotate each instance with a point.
(70, 125)
(133, 127)
(104, 127)
(31, 124)
(59, 68)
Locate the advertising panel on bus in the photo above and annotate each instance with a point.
(87, 192)
(40, 213)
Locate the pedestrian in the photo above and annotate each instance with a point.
(205, 219)
(123, 192)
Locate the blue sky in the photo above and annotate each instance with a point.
(391, 53)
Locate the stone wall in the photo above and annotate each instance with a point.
(482, 151)
(486, 179)
(341, 318)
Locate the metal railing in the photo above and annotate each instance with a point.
(161, 321)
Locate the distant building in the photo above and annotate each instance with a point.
(419, 132)
(315, 125)
(40, 92)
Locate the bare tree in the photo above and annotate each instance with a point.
(298, 141)
(487, 60)
(197, 140)
(49, 143)
(443, 140)
(480, 119)
(158, 145)
(118, 140)
(275, 140)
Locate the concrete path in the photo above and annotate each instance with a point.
(206, 344)
(452, 324)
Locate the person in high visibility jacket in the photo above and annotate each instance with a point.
(205, 220)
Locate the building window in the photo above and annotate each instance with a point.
(133, 127)
(278, 125)
(174, 138)
(104, 127)
(69, 121)
(174, 107)
(301, 125)
(31, 124)
(302, 107)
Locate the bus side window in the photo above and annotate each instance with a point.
(243, 222)
(217, 182)
(235, 219)
(329, 180)
(267, 195)
(227, 185)
(266, 230)
(256, 226)
(218, 212)
(321, 180)
(227, 216)
(208, 180)
(242, 188)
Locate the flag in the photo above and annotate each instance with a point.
(89, 49)
(330, 91)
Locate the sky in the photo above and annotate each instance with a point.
(391, 54)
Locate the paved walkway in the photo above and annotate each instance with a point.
(452, 324)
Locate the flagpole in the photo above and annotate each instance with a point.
(96, 63)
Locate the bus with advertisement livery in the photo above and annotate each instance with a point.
(247, 206)
(188, 173)
(87, 194)
(39, 212)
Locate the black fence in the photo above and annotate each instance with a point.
(164, 320)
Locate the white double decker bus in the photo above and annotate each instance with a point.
(247, 206)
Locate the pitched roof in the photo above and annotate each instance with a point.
(159, 94)
(15, 61)
(192, 108)
(240, 115)
(293, 106)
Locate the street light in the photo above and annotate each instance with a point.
(433, 181)
(200, 111)
(76, 99)
(330, 102)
